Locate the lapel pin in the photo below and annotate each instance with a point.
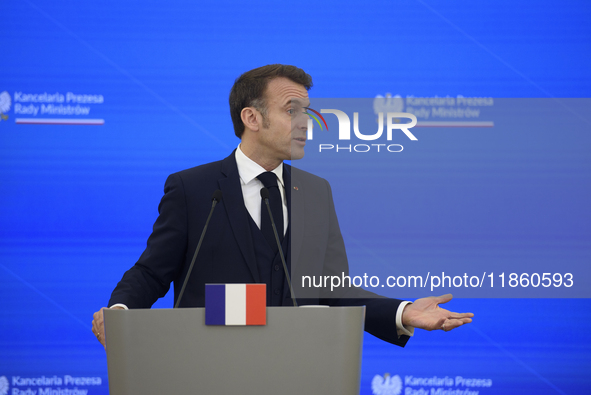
(296, 188)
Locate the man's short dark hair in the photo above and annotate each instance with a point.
(249, 89)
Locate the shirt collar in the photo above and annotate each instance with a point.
(249, 169)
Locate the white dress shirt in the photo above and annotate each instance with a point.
(251, 186)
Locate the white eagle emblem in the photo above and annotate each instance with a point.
(387, 385)
(5, 103)
(388, 104)
(3, 385)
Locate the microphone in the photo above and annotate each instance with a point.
(265, 197)
(215, 199)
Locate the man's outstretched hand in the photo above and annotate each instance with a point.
(426, 314)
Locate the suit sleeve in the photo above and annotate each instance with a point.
(380, 312)
(164, 256)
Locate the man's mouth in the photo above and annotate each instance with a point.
(302, 139)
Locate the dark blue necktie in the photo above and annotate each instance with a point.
(269, 180)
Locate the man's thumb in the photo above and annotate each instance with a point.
(444, 298)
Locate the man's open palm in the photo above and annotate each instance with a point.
(426, 314)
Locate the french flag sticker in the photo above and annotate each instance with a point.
(235, 304)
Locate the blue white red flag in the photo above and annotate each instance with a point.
(235, 304)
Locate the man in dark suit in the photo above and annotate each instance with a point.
(267, 106)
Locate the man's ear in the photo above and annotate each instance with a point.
(251, 118)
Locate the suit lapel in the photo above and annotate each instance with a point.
(237, 213)
(295, 204)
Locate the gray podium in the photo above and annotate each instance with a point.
(301, 350)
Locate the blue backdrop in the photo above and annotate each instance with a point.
(146, 85)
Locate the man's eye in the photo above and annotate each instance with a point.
(291, 111)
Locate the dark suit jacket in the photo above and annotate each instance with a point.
(227, 253)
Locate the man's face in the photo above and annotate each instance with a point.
(283, 135)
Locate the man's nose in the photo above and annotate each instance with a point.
(301, 122)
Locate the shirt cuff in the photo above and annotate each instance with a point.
(401, 329)
(125, 308)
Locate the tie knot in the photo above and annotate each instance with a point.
(269, 179)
